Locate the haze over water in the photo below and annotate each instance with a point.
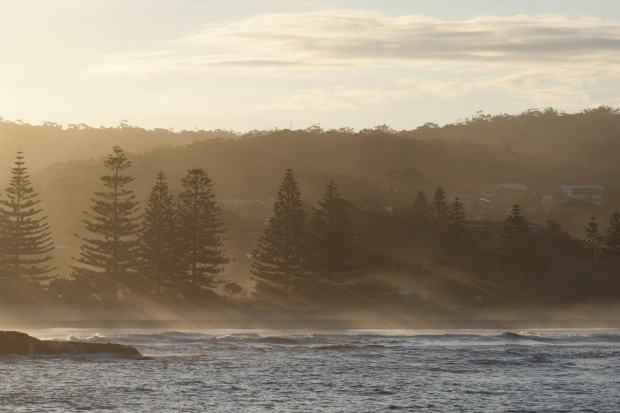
(339, 371)
(327, 165)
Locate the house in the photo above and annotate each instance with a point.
(509, 193)
(590, 193)
(547, 200)
(513, 187)
(529, 209)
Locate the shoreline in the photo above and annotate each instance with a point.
(310, 324)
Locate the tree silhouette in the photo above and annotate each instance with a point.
(420, 204)
(612, 238)
(110, 258)
(25, 235)
(439, 208)
(200, 230)
(455, 245)
(158, 242)
(334, 254)
(593, 242)
(279, 259)
(515, 246)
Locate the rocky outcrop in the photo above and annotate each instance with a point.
(14, 342)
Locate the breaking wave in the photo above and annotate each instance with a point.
(353, 340)
(363, 370)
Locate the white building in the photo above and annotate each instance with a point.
(514, 187)
(591, 193)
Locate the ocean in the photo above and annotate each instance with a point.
(571, 370)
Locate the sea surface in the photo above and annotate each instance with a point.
(576, 370)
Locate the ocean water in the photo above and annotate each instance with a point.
(322, 371)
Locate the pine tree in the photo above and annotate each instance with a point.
(515, 245)
(612, 238)
(420, 204)
(110, 257)
(334, 254)
(158, 241)
(593, 242)
(200, 230)
(279, 259)
(455, 246)
(26, 236)
(439, 208)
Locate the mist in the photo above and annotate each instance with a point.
(392, 251)
(309, 206)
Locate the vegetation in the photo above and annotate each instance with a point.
(365, 196)
(420, 204)
(593, 242)
(199, 227)
(439, 207)
(455, 247)
(334, 254)
(611, 239)
(158, 247)
(25, 235)
(516, 248)
(110, 258)
(279, 258)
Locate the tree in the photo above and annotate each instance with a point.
(110, 257)
(484, 249)
(612, 238)
(158, 241)
(455, 245)
(334, 254)
(439, 208)
(200, 230)
(231, 289)
(420, 204)
(26, 236)
(593, 242)
(515, 246)
(279, 258)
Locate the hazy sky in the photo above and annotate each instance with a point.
(246, 64)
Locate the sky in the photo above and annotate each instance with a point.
(244, 64)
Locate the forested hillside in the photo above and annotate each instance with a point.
(52, 142)
(379, 172)
(374, 168)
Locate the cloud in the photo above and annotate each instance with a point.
(548, 58)
(368, 38)
(359, 38)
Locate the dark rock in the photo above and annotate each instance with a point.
(14, 342)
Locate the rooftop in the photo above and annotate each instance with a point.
(519, 187)
(582, 187)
